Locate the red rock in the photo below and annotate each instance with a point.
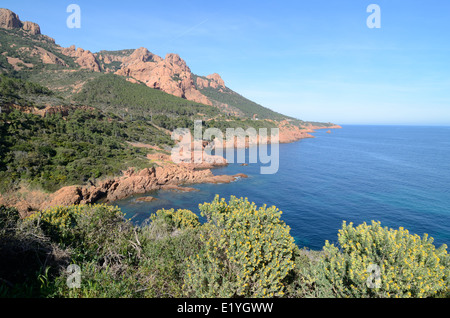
(31, 27)
(85, 58)
(65, 197)
(146, 199)
(9, 20)
(170, 75)
(216, 80)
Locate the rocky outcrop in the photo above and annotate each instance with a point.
(170, 177)
(213, 81)
(9, 20)
(291, 133)
(31, 27)
(146, 199)
(47, 57)
(216, 80)
(171, 75)
(84, 58)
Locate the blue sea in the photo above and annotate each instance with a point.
(399, 175)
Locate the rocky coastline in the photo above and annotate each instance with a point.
(166, 176)
(169, 177)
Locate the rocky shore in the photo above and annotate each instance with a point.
(169, 176)
(166, 176)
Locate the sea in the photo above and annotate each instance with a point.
(398, 175)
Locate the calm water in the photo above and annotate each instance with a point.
(394, 174)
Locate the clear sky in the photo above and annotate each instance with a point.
(312, 59)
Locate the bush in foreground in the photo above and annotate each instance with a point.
(375, 261)
(241, 251)
(248, 252)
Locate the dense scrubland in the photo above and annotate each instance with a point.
(241, 250)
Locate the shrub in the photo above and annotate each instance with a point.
(8, 219)
(248, 252)
(28, 259)
(96, 231)
(180, 219)
(381, 262)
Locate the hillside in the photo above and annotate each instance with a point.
(70, 117)
(26, 53)
(214, 88)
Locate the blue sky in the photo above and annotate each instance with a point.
(312, 59)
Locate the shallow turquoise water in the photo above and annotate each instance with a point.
(394, 174)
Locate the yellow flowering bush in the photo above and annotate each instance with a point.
(179, 219)
(66, 223)
(381, 262)
(248, 252)
(60, 218)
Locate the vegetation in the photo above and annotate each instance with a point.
(54, 151)
(80, 143)
(407, 265)
(113, 93)
(20, 92)
(239, 251)
(114, 65)
(17, 43)
(247, 107)
(248, 252)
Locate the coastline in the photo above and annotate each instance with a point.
(167, 175)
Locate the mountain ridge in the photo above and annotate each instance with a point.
(170, 74)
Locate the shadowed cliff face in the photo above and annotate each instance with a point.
(9, 20)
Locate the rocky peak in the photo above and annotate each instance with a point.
(31, 27)
(175, 60)
(9, 20)
(171, 75)
(216, 80)
(213, 80)
(85, 58)
(142, 55)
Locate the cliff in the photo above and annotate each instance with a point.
(9, 20)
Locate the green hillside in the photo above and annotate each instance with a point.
(19, 44)
(113, 93)
(54, 151)
(248, 108)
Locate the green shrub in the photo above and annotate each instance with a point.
(180, 219)
(8, 219)
(381, 262)
(98, 232)
(248, 252)
(146, 261)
